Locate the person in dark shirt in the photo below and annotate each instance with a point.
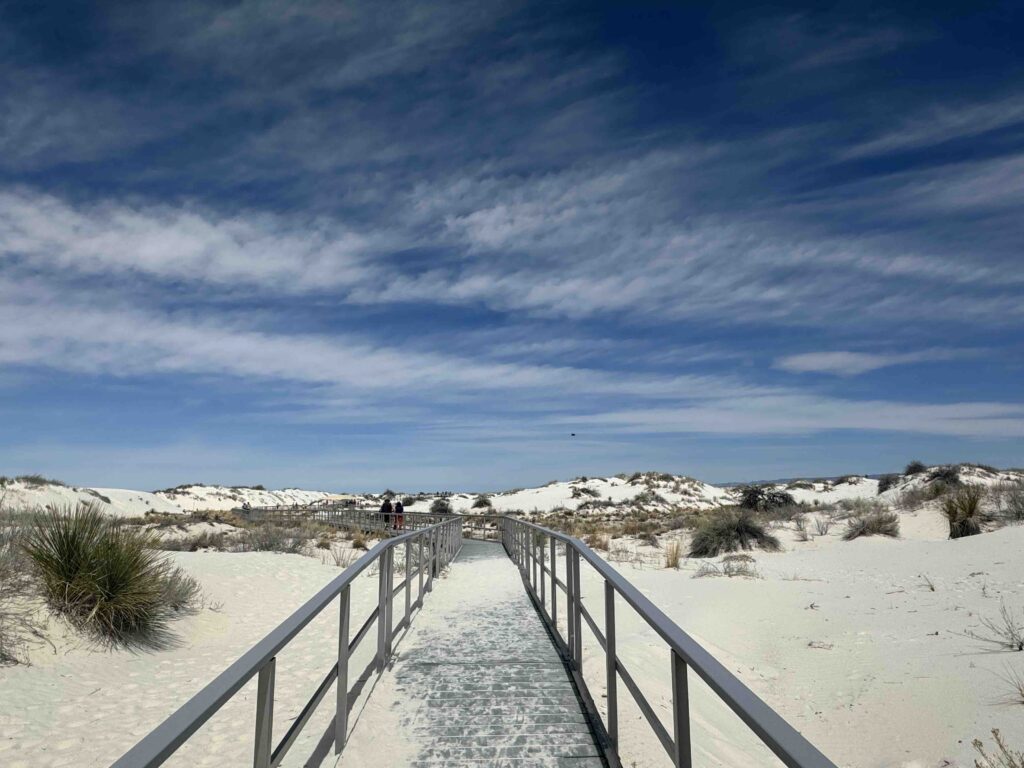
(387, 513)
(399, 515)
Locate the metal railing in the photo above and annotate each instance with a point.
(344, 516)
(437, 545)
(529, 546)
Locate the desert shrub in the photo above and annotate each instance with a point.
(38, 480)
(878, 523)
(359, 540)
(822, 525)
(104, 577)
(193, 543)
(885, 482)
(18, 624)
(731, 566)
(963, 511)
(801, 485)
(800, 525)
(408, 501)
(730, 530)
(950, 475)
(1004, 757)
(272, 538)
(323, 543)
(440, 507)
(673, 552)
(915, 468)
(600, 541)
(1010, 499)
(1006, 631)
(482, 502)
(762, 498)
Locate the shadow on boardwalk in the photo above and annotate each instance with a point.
(477, 681)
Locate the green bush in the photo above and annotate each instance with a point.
(762, 498)
(106, 578)
(872, 524)
(730, 530)
(963, 511)
(885, 482)
(915, 468)
(441, 507)
(481, 502)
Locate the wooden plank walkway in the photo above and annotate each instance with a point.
(477, 681)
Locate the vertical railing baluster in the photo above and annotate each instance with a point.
(408, 583)
(543, 581)
(681, 712)
(554, 586)
(578, 612)
(570, 623)
(390, 554)
(264, 715)
(341, 709)
(382, 608)
(419, 569)
(611, 666)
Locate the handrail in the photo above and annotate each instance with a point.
(522, 541)
(443, 540)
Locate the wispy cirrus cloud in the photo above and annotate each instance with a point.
(846, 363)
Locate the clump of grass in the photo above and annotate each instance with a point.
(1003, 758)
(885, 482)
(963, 511)
(600, 541)
(915, 468)
(482, 502)
(731, 530)
(38, 480)
(1006, 632)
(800, 525)
(359, 540)
(271, 538)
(732, 566)
(106, 578)
(323, 543)
(1010, 498)
(878, 523)
(673, 553)
(440, 507)
(822, 525)
(202, 540)
(18, 624)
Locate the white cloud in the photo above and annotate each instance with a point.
(846, 363)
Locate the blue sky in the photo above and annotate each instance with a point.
(357, 245)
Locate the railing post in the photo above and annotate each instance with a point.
(681, 712)
(610, 664)
(554, 586)
(264, 715)
(382, 608)
(533, 560)
(408, 582)
(543, 581)
(390, 552)
(570, 622)
(341, 710)
(577, 613)
(419, 569)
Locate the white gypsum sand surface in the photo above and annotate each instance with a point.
(83, 706)
(846, 640)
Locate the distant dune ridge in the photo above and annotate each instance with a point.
(655, 491)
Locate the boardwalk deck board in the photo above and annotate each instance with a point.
(476, 681)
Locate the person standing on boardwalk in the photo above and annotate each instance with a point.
(399, 515)
(387, 513)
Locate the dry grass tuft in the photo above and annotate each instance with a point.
(873, 524)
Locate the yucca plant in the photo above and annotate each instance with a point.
(872, 524)
(963, 511)
(106, 578)
(729, 531)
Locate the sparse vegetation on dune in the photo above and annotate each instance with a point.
(673, 553)
(106, 578)
(878, 523)
(729, 531)
(1003, 757)
(761, 498)
(915, 468)
(885, 482)
(18, 624)
(963, 511)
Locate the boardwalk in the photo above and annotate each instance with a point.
(476, 681)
